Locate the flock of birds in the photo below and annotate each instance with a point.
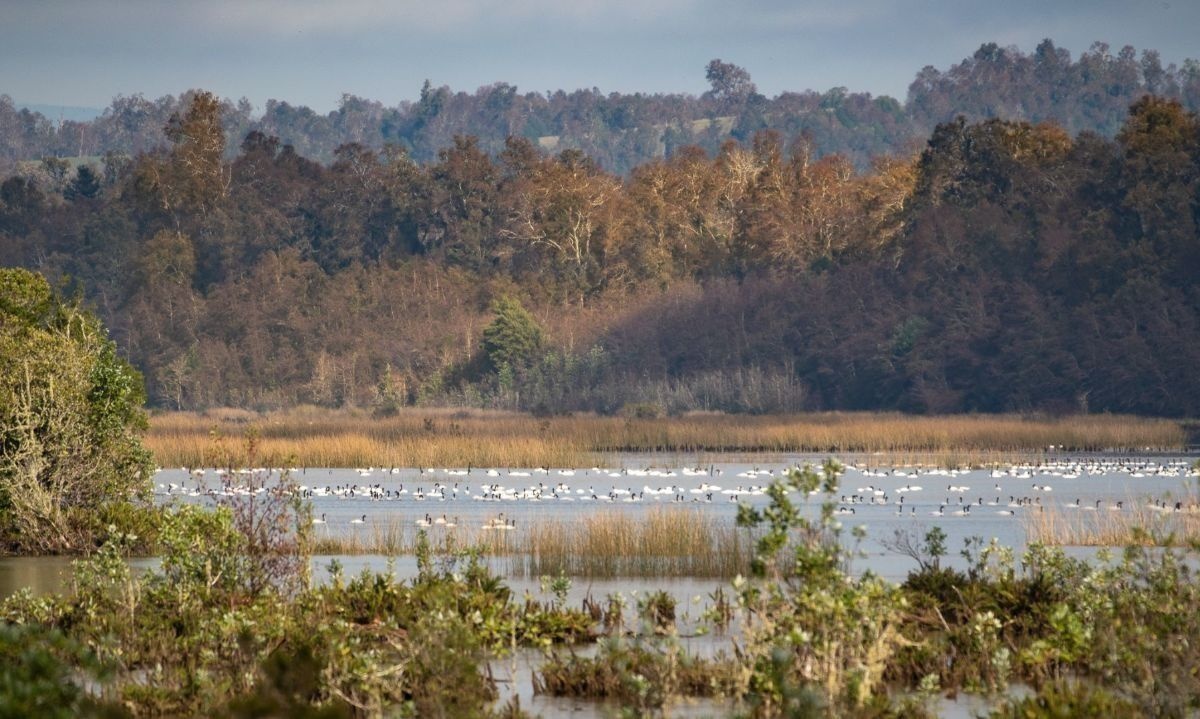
(1017, 488)
(957, 502)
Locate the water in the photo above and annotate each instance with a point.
(999, 504)
(40, 575)
(984, 503)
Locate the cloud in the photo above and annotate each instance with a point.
(275, 18)
(310, 17)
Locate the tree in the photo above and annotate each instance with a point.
(729, 82)
(86, 184)
(70, 414)
(562, 214)
(463, 207)
(513, 338)
(194, 176)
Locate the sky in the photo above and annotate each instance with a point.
(310, 52)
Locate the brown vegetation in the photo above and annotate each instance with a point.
(1137, 523)
(440, 438)
(1010, 267)
(662, 543)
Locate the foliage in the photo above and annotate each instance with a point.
(1065, 699)
(42, 674)
(645, 669)
(817, 641)
(513, 338)
(642, 673)
(622, 131)
(813, 631)
(70, 410)
(1012, 266)
(220, 629)
(202, 633)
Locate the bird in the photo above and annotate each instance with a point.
(362, 520)
(320, 521)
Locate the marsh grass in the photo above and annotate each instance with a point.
(443, 437)
(665, 542)
(395, 537)
(1137, 524)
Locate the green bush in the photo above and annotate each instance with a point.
(70, 418)
(43, 674)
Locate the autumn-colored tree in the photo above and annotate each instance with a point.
(193, 176)
(1161, 142)
(1011, 267)
(464, 213)
(565, 216)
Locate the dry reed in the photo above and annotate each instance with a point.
(665, 542)
(433, 438)
(1135, 524)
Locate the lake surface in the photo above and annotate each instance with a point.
(992, 503)
(988, 503)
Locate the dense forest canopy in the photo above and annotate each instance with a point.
(1010, 265)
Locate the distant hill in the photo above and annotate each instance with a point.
(55, 113)
(1089, 92)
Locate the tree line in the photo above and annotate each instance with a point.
(623, 131)
(1006, 267)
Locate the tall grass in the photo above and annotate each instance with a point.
(1136, 524)
(423, 438)
(665, 542)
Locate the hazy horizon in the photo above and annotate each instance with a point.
(80, 53)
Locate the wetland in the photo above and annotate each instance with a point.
(648, 583)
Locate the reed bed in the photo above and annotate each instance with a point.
(665, 542)
(431, 437)
(1136, 524)
(393, 538)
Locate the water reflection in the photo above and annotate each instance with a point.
(40, 575)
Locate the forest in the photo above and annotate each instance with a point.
(1036, 249)
(623, 131)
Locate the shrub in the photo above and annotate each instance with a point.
(70, 418)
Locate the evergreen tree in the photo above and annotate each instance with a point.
(513, 339)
